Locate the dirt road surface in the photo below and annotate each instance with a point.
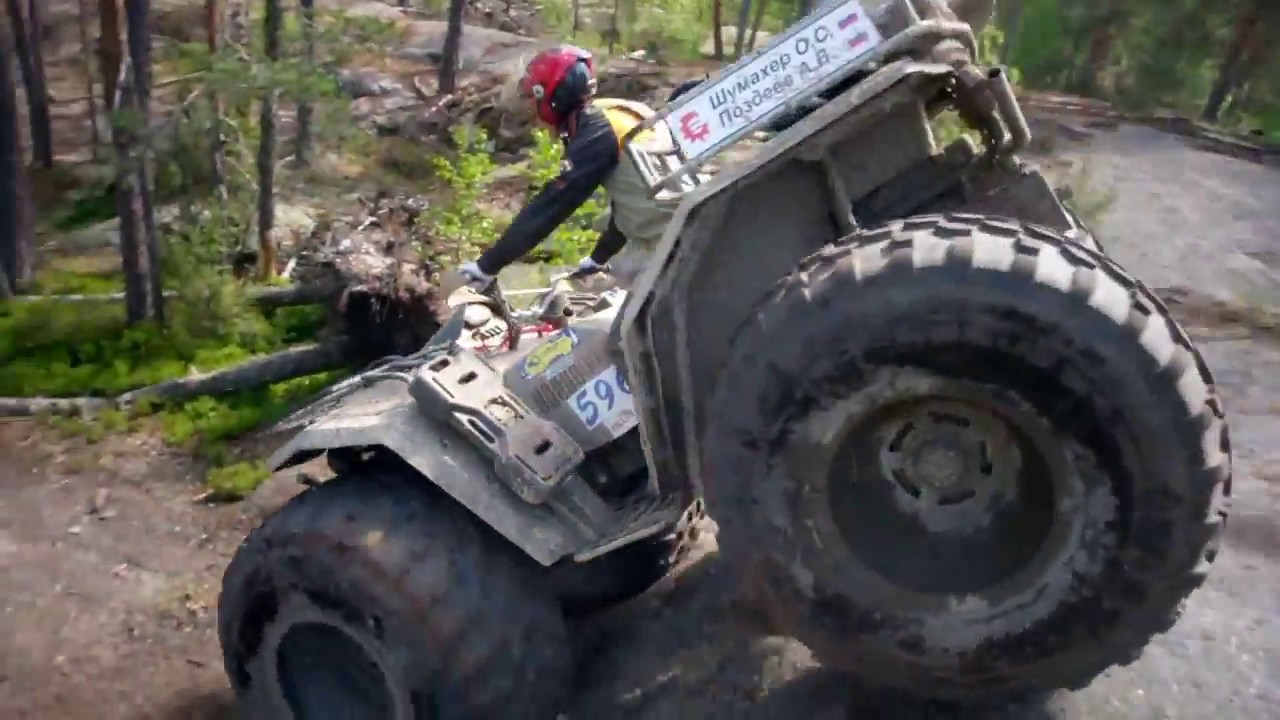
(109, 571)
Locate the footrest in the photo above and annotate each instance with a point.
(644, 518)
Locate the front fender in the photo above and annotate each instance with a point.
(386, 415)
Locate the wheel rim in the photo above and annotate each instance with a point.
(945, 495)
(325, 672)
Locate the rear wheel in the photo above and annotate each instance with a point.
(967, 455)
(371, 597)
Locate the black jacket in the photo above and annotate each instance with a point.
(590, 154)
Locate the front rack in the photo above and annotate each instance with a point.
(839, 40)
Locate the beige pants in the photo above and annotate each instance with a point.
(627, 265)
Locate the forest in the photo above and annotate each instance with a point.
(195, 130)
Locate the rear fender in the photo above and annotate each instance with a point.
(384, 415)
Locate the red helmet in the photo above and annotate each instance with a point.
(559, 80)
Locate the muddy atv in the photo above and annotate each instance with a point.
(949, 444)
(485, 489)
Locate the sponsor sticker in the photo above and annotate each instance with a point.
(551, 357)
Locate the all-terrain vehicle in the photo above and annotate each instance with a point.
(948, 443)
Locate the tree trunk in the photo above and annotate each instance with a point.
(804, 8)
(267, 147)
(1106, 28)
(237, 35)
(26, 40)
(1012, 28)
(717, 22)
(755, 23)
(302, 153)
(744, 18)
(614, 36)
(138, 14)
(276, 367)
(38, 92)
(452, 39)
(238, 23)
(110, 51)
(16, 213)
(1246, 34)
(217, 143)
(134, 259)
(86, 59)
(577, 17)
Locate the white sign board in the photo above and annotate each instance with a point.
(827, 44)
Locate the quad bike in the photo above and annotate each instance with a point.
(949, 444)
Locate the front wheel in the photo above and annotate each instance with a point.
(967, 456)
(370, 597)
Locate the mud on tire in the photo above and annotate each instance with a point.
(976, 457)
(372, 597)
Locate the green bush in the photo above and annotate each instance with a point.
(235, 481)
(460, 224)
(208, 420)
(85, 348)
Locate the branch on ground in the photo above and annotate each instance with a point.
(267, 370)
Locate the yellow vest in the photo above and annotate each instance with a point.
(640, 217)
(624, 116)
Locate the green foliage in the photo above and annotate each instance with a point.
(85, 207)
(208, 421)
(235, 481)
(71, 349)
(1164, 54)
(460, 224)
(670, 29)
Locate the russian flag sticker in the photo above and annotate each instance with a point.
(847, 20)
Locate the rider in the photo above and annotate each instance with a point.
(561, 83)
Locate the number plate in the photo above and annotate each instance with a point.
(606, 400)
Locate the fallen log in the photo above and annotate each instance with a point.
(284, 365)
(276, 367)
(367, 268)
(37, 406)
(302, 294)
(267, 298)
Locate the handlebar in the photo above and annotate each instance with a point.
(452, 329)
(549, 294)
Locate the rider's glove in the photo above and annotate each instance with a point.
(587, 266)
(476, 278)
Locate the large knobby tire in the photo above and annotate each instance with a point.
(373, 597)
(963, 456)
(1082, 233)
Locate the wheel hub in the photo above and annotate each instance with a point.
(943, 454)
(938, 466)
(942, 494)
